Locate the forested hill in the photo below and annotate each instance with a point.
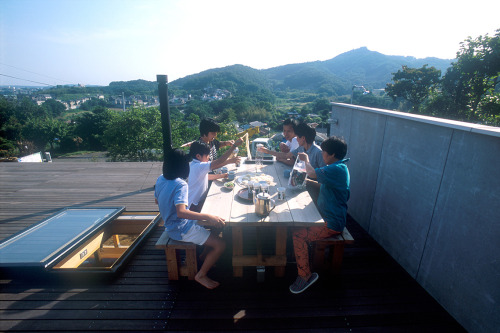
(236, 78)
(333, 77)
(361, 67)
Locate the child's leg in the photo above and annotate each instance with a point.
(217, 246)
(301, 238)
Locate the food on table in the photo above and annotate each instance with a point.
(253, 178)
(229, 184)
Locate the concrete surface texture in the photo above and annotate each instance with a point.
(427, 189)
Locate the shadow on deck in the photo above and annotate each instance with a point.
(371, 293)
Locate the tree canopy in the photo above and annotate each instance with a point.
(413, 84)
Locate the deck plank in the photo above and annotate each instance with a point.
(371, 293)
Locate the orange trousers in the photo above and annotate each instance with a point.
(301, 239)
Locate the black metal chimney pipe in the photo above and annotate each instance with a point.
(165, 114)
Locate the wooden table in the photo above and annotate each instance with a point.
(296, 210)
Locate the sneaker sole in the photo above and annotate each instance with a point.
(316, 276)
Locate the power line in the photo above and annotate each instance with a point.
(26, 80)
(25, 70)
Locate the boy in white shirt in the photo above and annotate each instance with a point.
(200, 167)
(289, 126)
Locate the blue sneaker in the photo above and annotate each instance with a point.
(300, 284)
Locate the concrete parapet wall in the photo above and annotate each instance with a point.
(428, 190)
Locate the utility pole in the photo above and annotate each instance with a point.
(165, 114)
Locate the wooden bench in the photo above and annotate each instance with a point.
(336, 247)
(175, 266)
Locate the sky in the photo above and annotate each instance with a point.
(95, 42)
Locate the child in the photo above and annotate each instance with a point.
(305, 137)
(291, 143)
(200, 168)
(208, 134)
(171, 193)
(332, 204)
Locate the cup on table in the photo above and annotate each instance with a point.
(281, 193)
(231, 175)
(256, 187)
(264, 187)
(250, 186)
(223, 170)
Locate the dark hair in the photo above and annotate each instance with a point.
(176, 165)
(306, 131)
(290, 122)
(208, 125)
(198, 147)
(335, 145)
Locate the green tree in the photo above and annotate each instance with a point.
(183, 132)
(413, 84)
(90, 126)
(26, 109)
(53, 107)
(134, 135)
(471, 82)
(43, 131)
(228, 115)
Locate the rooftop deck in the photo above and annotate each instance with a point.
(372, 292)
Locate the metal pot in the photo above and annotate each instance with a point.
(263, 204)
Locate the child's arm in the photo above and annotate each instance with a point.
(205, 219)
(223, 160)
(226, 143)
(216, 176)
(309, 169)
(282, 156)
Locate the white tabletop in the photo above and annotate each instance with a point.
(297, 209)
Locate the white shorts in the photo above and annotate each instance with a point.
(196, 234)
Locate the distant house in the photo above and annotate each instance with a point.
(293, 114)
(257, 124)
(40, 99)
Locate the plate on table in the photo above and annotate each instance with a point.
(243, 180)
(243, 194)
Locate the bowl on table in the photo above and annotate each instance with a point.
(228, 186)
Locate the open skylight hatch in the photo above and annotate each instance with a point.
(96, 241)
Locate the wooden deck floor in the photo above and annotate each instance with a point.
(372, 292)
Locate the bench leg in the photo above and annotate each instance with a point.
(237, 249)
(173, 271)
(191, 263)
(319, 254)
(337, 255)
(279, 271)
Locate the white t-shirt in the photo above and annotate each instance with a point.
(294, 144)
(198, 180)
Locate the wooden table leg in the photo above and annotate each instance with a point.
(237, 249)
(279, 271)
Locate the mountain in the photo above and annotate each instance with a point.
(360, 66)
(235, 78)
(335, 76)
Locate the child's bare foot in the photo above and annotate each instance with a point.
(206, 281)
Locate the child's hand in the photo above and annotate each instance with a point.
(236, 159)
(238, 142)
(216, 221)
(261, 150)
(284, 148)
(304, 157)
(223, 175)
